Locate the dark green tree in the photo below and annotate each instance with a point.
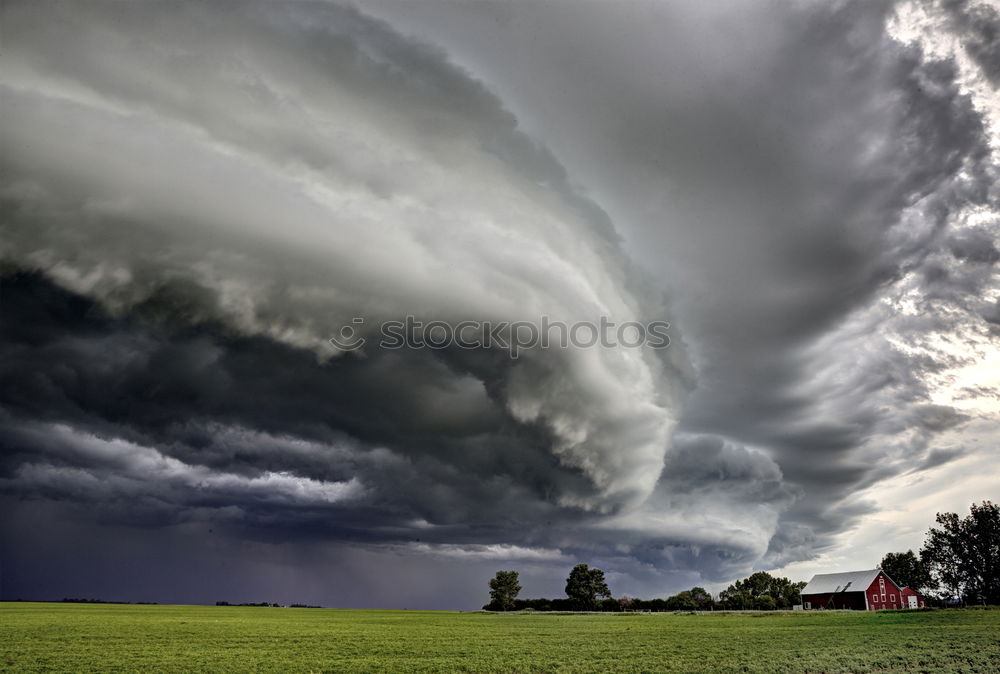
(682, 601)
(695, 599)
(765, 602)
(701, 598)
(759, 584)
(584, 586)
(791, 593)
(736, 596)
(504, 589)
(963, 554)
(748, 592)
(907, 570)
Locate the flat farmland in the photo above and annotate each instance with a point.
(115, 637)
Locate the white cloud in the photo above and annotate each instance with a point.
(498, 552)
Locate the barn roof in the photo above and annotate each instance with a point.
(851, 581)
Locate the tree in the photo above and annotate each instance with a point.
(504, 589)
(701, 598)
(682, 601)
(747, 593)
(584, 586)
(765, 602)
(736, 596)
(695, 599)
(907, 570)
(758, 584)
(626, 603)
(963, 555)
(791, 593)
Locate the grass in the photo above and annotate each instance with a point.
(108, 637)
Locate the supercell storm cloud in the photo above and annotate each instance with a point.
(197, 196)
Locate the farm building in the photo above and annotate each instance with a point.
(859, 590)
(913, 599)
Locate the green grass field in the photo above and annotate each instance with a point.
(108, 637)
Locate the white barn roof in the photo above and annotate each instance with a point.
(852, 581)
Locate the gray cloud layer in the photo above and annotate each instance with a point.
(196, 196)
(804, 183)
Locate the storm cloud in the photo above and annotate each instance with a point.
(196, 197)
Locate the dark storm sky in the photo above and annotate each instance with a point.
(195, 196)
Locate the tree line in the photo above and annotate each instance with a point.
(959, 562)
(587, 590)
(266, 604)
(84, 600)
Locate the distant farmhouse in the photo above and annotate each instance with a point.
(858, 590)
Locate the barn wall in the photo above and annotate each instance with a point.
(893, 595)
(907, 592)
(843, 600)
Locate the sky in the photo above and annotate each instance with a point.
(201, 201)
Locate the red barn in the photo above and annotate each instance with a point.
(858, 590)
